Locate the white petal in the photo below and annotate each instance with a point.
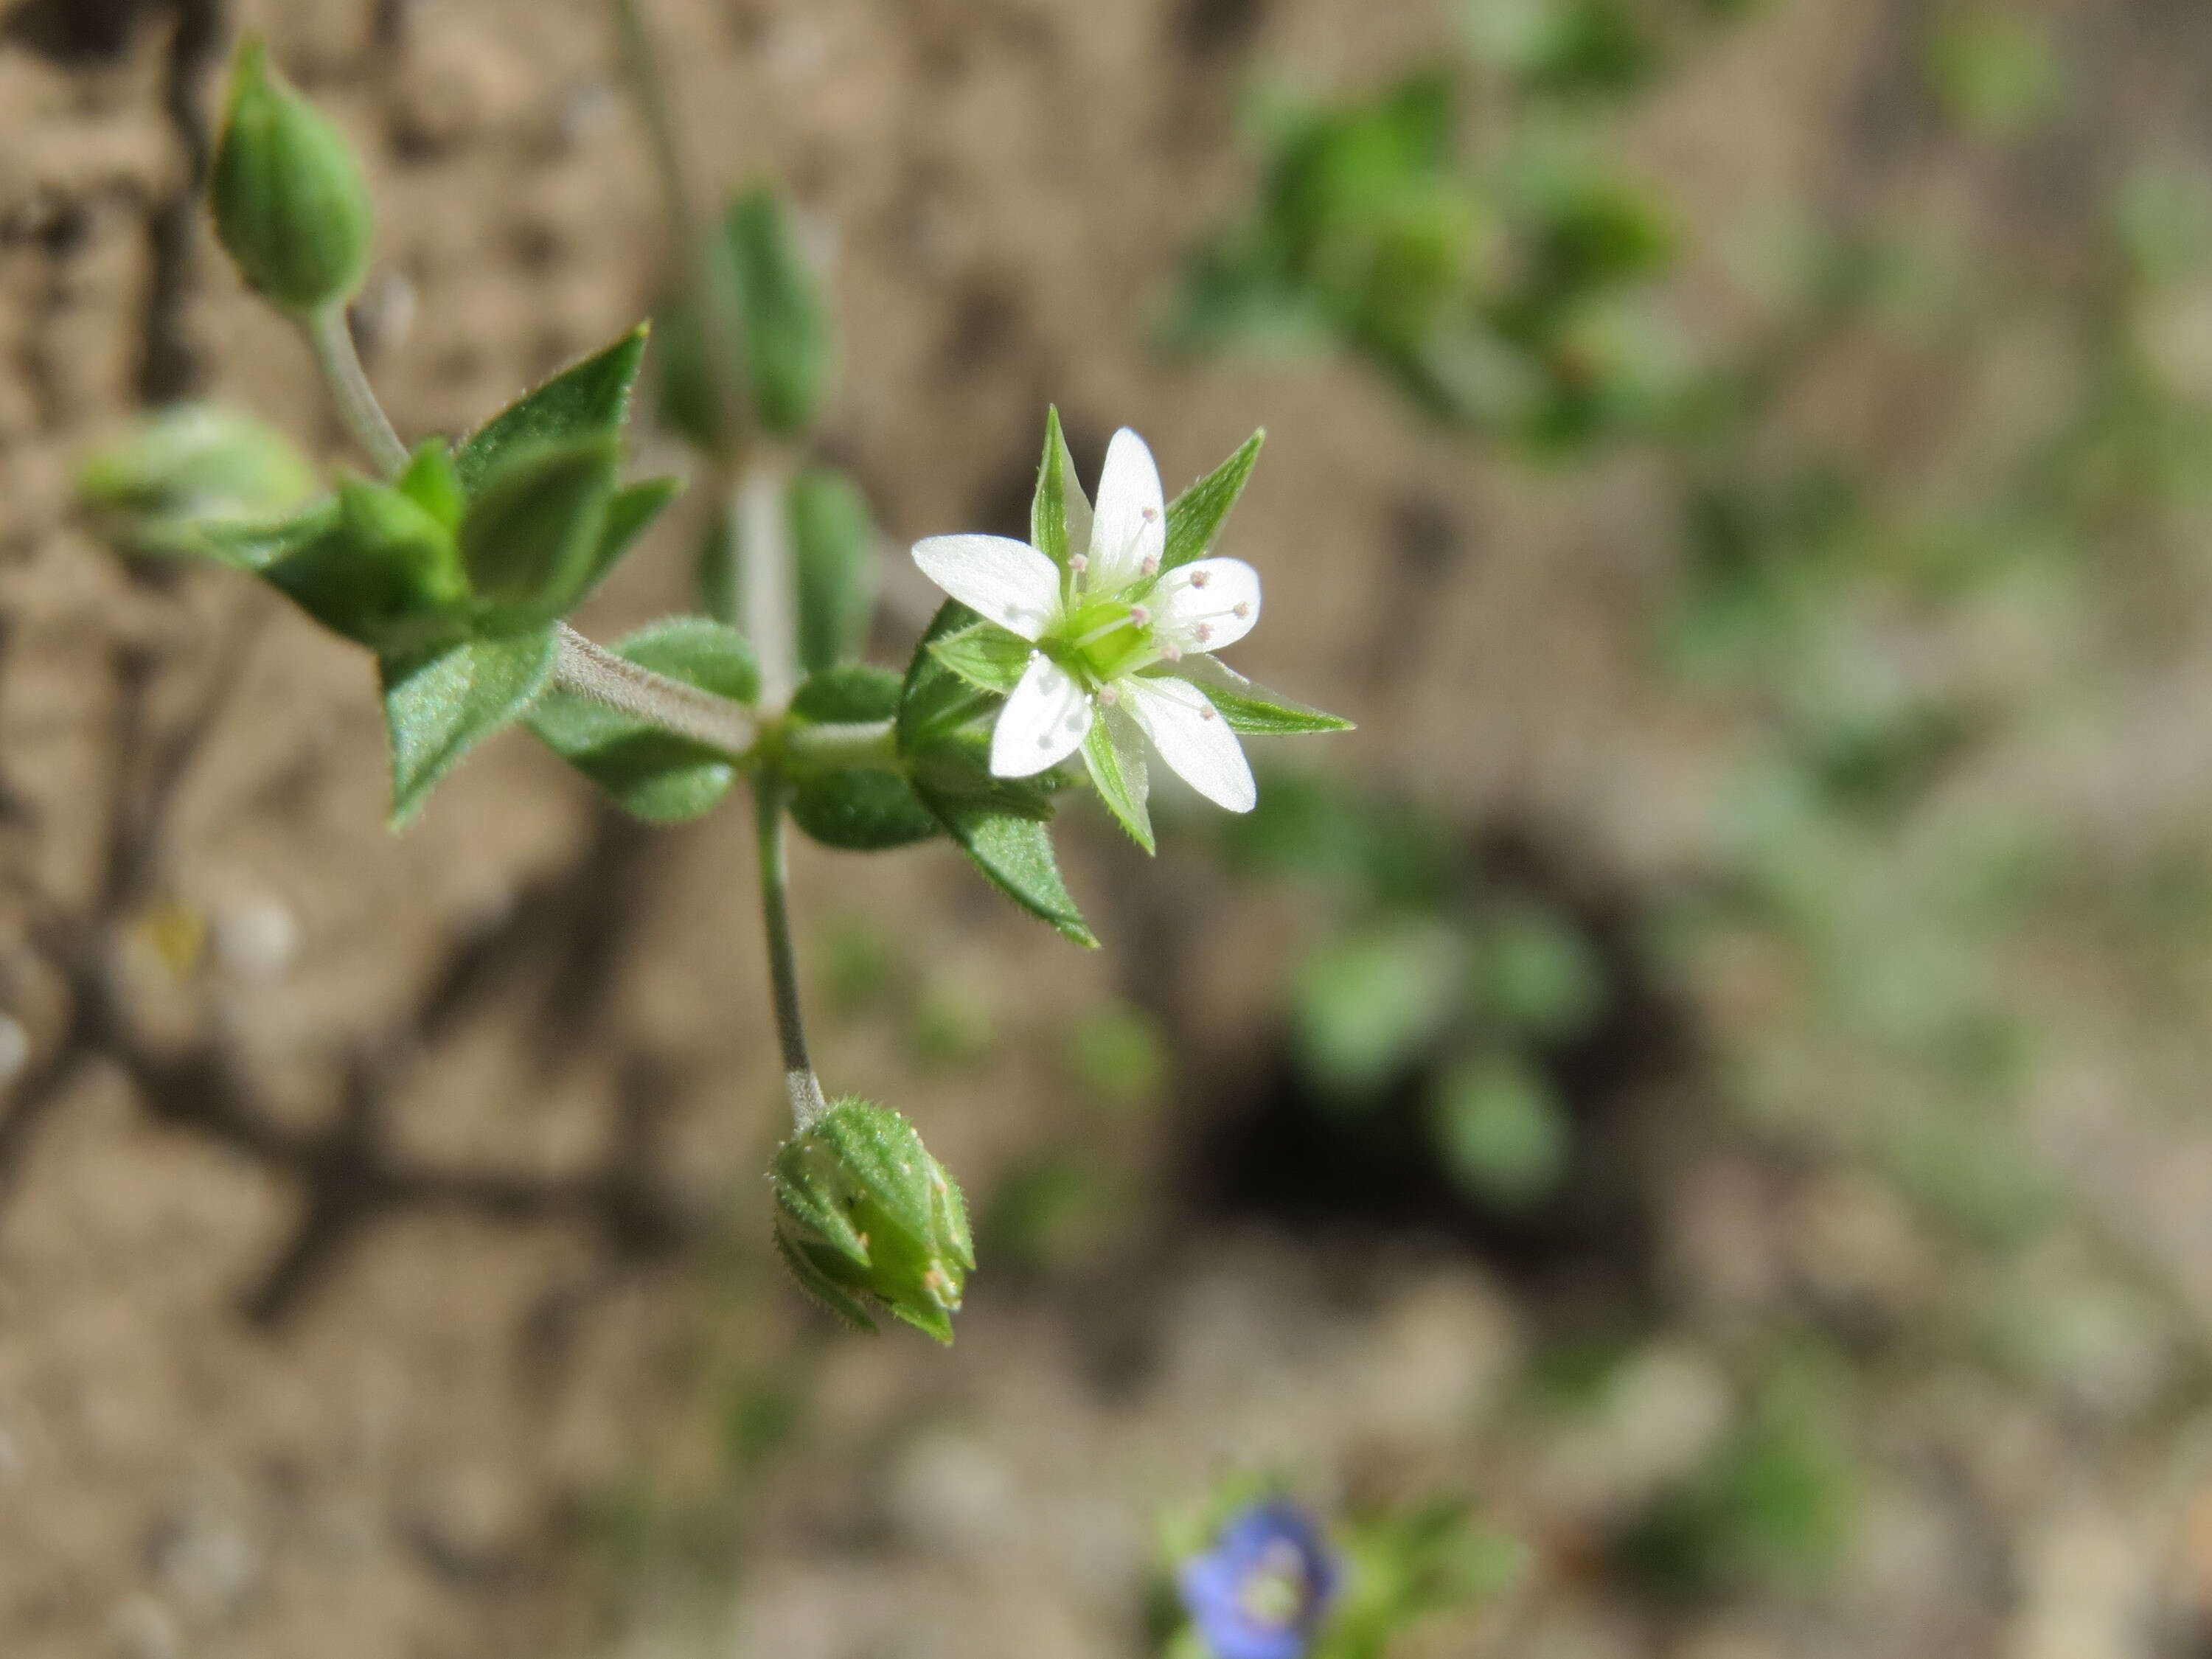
(1195, 742)
(1044, 721)
(1130, 524)
(1208, 604)
(1008, 581)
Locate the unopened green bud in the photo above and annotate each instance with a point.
(290, 203)
(179, 483)
(870, 1221)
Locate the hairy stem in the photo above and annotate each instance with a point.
(582, 667)
(799, 1081)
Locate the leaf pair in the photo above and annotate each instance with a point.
(534, 518)
(784, 348)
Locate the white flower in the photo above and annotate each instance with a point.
(1112, 633)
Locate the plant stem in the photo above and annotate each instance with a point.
(332, 341)
(799, 1081)
(582, 667)
(705, 297)
(869, 745)
(591, 670)
(761, 521)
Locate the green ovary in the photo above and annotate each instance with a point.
(1100, 640)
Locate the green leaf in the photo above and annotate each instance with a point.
(1196, 516)
(631, 511)
(588, 399)
(985, 655)
(1367, 1003)
(857, 809)
(384, 572)
(833, 548)
(1503, 1133)
(1015, 852)
(716, 571)
(432, 484)
(785, 333)
(1121, 784)
(653, 774)
(848, 693)
(1059, 514)
(439, 704)
(1253, 710)
(532, 534)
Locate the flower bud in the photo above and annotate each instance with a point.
(869, 1221)
(290, 203)
(176, 483)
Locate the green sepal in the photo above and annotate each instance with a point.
(985, 655)
(384, 572)
(196, 481)
(999, 823)
(1195, 517)
(441, 703)
(589, 398)
(1059, 513)
(856, 809)
(833, 549)
(654, 775)
(291, 207)
(870, 1221)
(784, 332)
(1253, 710)
(254, 547)
(432, 484)
(1121, 781)
(533, 530)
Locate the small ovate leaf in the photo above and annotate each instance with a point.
(833, 549)
(432, 484)
(532, 533)
(861, 809)
(784, 328)
(689, 401)
(856, 809)
(1015, 852)
(854, 691)
(1121, 781)
(714, 567)
(439, 704)
(384, 573)
(588, 399)
(1196, 516)
(1059, 513)
(652, 774)
(1253, 710)
(985, 655)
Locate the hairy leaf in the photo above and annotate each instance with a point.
(1195, 517)
(588, 399)
(441, 703)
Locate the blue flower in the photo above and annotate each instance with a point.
(1261, 1589)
